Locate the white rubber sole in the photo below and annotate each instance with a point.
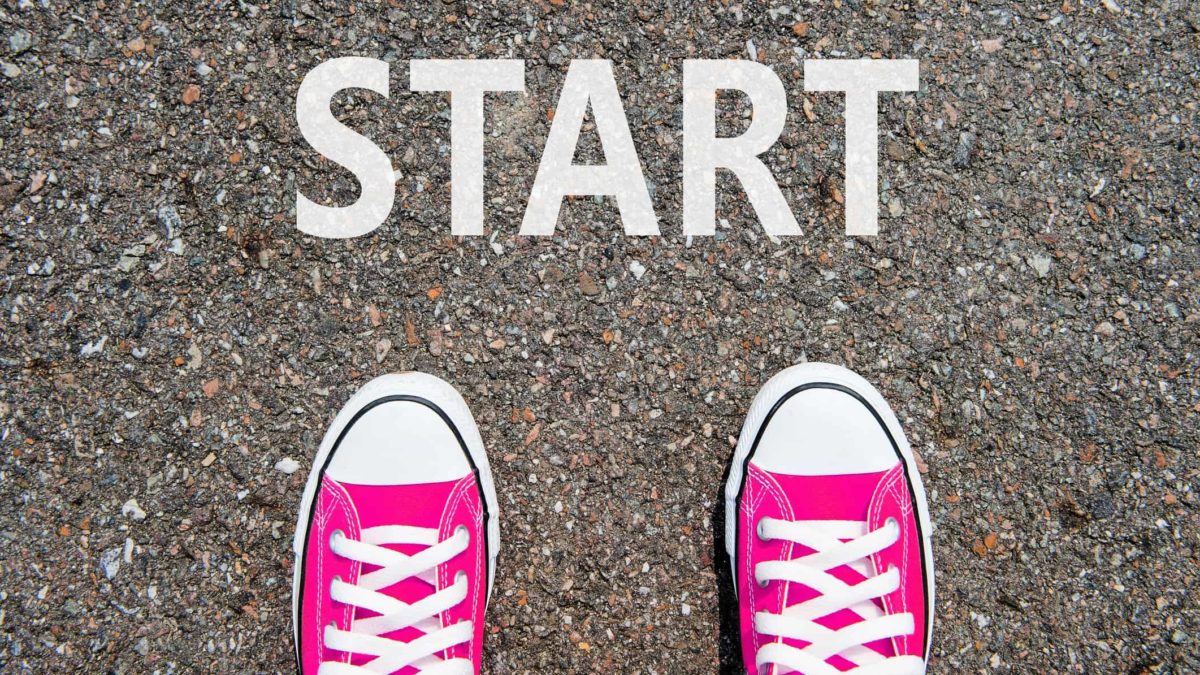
(814, 373)
(437, 392)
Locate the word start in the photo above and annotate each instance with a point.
(590, 83)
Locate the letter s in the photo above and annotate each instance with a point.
(346, 147)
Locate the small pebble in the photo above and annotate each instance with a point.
(132, 510)
(1041, 265)
(962, 152)
(20, 41)
(381, 349)
(588, 285)
(110, 562)
(287, 465)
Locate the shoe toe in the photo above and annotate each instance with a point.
(821, 431)
(398, 442)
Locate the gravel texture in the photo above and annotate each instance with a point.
(172, 347)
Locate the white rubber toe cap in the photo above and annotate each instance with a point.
(398, 442)
(823, 431)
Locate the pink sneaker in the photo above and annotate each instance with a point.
(827, 531)
(397, 536)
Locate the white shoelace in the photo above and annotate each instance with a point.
(834, 543)
(365, 635)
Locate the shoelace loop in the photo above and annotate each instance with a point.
(365, 635)
(833, 544)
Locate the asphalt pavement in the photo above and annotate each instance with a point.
(173, 348)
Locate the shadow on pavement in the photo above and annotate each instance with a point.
(728, 647)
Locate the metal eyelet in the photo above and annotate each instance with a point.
(460, 576)
(461, 531)
(760, 530)
(334, 535)
(762, 583)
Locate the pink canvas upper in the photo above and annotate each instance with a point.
(353, 508)
(891, 499)
(870, 497)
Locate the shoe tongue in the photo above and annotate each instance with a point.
(410, 505)
(844, 497)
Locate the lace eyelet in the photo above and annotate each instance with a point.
(460, 576)
(762, 583)
(893, 523)
(336, 534)
(461, 531)
(760, 530)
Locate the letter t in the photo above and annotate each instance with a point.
(467, 80)
(862, 80)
